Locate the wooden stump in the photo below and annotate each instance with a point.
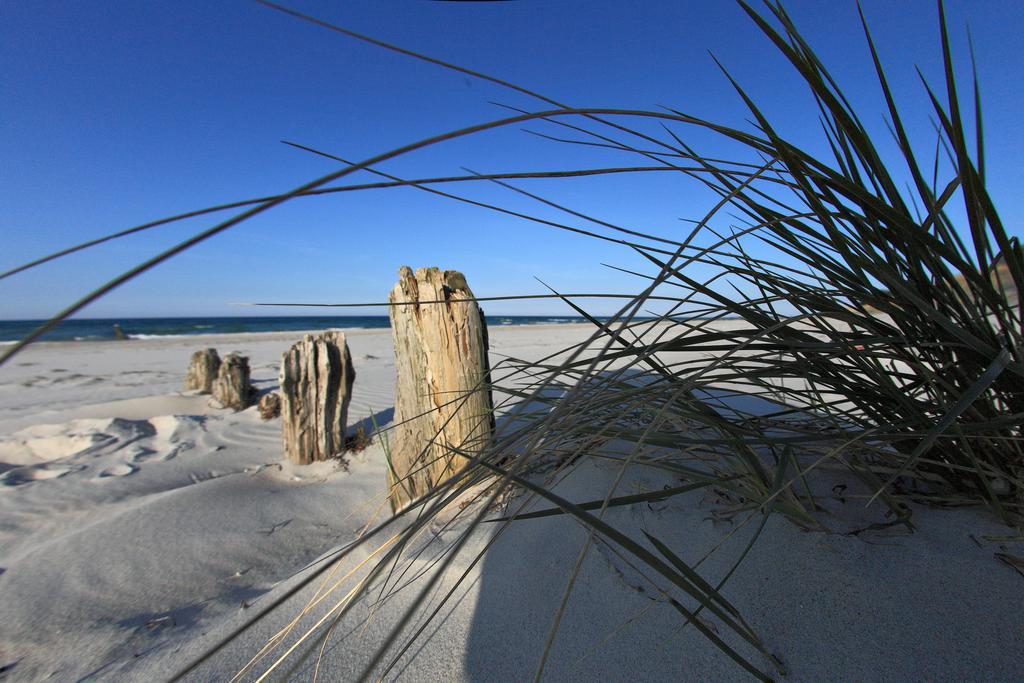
(442, 396)
(316, 386)
(202, 371)
(270, 406)
(232, 386)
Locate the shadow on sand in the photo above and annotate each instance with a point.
(829, 605)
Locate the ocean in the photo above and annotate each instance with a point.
(98, 329)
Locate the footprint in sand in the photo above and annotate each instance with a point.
(26, 475)
(41, 473)
(140, 454)
(120, 470)
(179, 449)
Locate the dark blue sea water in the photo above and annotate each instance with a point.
(145, 328)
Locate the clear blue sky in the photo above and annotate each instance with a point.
(115, 113)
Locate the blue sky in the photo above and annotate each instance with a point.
(118, 113)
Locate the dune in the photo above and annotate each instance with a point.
(142, 525)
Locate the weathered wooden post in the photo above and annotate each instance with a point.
(202, 371)
(442, 396)
(316, 387)
(232, 387)
(269, 406)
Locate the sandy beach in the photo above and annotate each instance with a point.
(746, 403)
(142, 524)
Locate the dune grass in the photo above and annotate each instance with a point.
(876, 328)
(883, 330)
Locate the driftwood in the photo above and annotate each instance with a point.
(202, 371)
(269, 406)
(232, 386)
(442, 397)
(316, 386)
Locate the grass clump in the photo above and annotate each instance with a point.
(881, 338)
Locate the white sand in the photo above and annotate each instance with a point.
(139, 525)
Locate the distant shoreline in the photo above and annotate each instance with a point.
(81, 330)
(103, 329)
(213, 338)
